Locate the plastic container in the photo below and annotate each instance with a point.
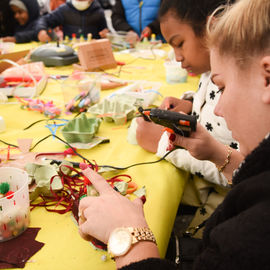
(174, 72)
(122, 40)
(77, 82)
(14, 209)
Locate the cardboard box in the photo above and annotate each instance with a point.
(96, 55)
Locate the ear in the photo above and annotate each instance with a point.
(265, 65)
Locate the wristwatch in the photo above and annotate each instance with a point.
(121, 239)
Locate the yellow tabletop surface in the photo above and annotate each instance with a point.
(64, 248)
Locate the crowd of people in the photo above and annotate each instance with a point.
(34, 20)
(227, 43)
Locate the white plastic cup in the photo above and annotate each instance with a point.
(14, 210)
(174, 72)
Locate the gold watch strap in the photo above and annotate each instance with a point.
(141, 234)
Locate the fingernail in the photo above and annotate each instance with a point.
(143, 198)
(172, 137)
(83, 166)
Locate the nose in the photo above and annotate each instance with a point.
(178, 56)
(218, 108)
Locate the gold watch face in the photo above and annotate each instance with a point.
(119, 242)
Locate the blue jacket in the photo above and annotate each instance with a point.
(91, 20)
(26, 33)
(136, 15)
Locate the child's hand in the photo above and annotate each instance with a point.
(146, 32)
(176, 105)
(43, 36)
(103, 33)
(8, 39)
(148, 134)
(201, 144)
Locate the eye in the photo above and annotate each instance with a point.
(180, 44)
(221, 90)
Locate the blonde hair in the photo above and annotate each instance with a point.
(241, 30)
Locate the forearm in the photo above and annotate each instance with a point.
(220, 156)
(140, 251)
(119, 21)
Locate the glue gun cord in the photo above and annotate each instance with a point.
(137, 164)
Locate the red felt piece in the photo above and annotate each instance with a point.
(16, 252)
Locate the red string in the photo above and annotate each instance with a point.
(74, 187)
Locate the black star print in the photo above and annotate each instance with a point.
(234, 145)
(212, 95)
(199, 174)
(200, 84)
(218, 124)
(203, 211)
(209, 126)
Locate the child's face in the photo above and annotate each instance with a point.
(189, 49)
(20, 15)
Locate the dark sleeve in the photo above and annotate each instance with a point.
(25, 36)
(241, 241)
(151, 264)
(51, 20)
(119, 21)
(102, 24)
(155, 25)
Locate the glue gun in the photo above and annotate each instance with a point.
(179, 123)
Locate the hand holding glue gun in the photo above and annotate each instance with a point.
(179, 123)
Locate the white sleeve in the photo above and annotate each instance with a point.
(183, 160)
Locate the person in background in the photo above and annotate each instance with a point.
(7, 21)
(237, 235)
(26, 13)
(78, 17)
(140, 17)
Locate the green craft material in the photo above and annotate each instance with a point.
(116, 109)
(4, 188)
(42, 174)
(121, 187)
(140, 192)
(81, 129)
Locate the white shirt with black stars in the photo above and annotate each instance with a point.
(204, 102)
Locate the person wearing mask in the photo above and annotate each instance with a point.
(79, 17)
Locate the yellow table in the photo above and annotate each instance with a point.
(64, 249)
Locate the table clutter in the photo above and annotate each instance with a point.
(58, 116)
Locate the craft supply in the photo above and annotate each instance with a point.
(14, 206)
(47, 108)
(174, 72)
(80, 91)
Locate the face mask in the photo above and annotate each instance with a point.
(81, 5)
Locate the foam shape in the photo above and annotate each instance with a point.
(117, 109)
(81, 129)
